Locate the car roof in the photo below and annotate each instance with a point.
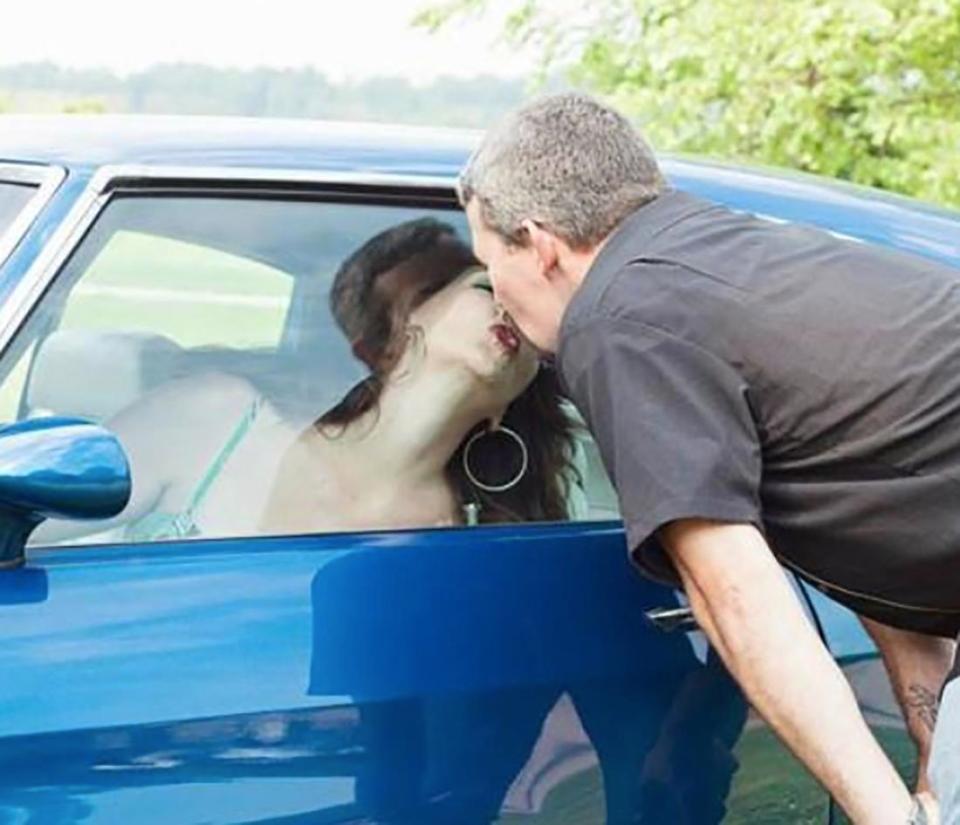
(90, 141)
(96, 140)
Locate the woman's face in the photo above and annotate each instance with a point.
(463, 326)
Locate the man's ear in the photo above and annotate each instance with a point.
(544, 245)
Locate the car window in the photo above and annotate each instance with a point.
(193, 293)
(13, 198)
(200, 330)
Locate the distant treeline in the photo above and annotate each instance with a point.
(185, 88)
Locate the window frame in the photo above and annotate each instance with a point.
(385, 189)
(46, 179)
(222, 182)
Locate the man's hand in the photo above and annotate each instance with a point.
(742, 600)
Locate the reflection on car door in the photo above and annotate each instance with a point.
(452, 676)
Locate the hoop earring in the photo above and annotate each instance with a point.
(513, 482)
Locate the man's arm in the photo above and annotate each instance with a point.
(917, 665)
(743, 602)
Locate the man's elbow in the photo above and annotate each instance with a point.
(726, 563)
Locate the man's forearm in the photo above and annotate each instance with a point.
(745, 605)
(917, 666)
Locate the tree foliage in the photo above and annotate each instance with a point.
(868, 90)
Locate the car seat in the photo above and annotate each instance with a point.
(96, 373)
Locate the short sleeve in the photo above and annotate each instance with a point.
(673, 426)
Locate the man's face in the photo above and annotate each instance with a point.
(519, 281)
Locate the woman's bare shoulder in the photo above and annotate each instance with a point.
(190, 400)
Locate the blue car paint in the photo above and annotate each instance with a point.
(302, 669)
(54, 466)
(85, 143)
(39, 233)
(294, 679)
(67, 467)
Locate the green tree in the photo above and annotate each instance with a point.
(868, 91)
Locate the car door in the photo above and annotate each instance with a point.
(517, 673)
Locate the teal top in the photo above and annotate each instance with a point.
(158, 525)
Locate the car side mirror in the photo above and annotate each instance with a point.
(56, 467)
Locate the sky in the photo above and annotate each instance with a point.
(344, 39)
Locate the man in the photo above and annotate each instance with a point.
(759, 393)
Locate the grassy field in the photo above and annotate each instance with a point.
(769, 788)
(134, 259)
(194, 295)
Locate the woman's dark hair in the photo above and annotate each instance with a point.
(373, 294)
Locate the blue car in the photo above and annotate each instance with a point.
(516, 673)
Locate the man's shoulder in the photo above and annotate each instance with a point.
(646, 233)
(641, 273)
(644, 240)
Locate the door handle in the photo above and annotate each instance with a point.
(669, 619)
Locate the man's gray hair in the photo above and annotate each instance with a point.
(568, 162)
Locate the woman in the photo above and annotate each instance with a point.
(455, 424)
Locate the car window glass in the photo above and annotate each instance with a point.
(200, 330)
(12, 388)
(13, 198)
(193, 293)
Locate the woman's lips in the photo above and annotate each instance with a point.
(506, 337)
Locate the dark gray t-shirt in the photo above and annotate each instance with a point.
(736, 369)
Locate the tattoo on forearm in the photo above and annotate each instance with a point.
(923, 702)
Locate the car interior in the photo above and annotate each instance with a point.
(96, 371)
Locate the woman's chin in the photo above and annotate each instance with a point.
(512, 380)
(504, 369)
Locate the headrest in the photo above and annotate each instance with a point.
(94, 373)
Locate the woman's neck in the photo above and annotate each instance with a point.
(417, 425)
